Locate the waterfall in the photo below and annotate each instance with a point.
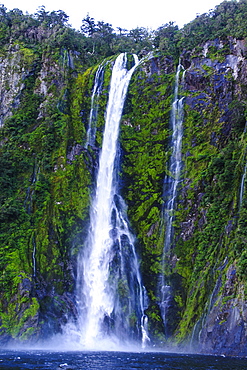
(241, 193)
(34, 256)
(98, 83)
(171, 182)
(110, 297)
(28, 205)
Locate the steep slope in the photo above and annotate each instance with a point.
(48, 174)
(210, 247)
(42, 207)
(207, 261)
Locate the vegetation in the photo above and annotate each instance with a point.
(47, 172)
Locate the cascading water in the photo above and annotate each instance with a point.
(241, 193)
(98, 83)
(28, 204)
(111, 298)
(171, 182)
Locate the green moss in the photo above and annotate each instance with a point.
(19, 310)
(144, 138)
(46, 187)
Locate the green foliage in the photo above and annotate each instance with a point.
(47, 173)
(98, 39)
(19, 311)
(144, 138)
(209, 228)
(165, 39)
(226, 19)
(42, 206)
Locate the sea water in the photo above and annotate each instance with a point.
(40, 359)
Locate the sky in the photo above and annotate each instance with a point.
(128, 14)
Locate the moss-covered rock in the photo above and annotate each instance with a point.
(48, 174)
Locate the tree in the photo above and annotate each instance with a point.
(165, 38)
(138, 34)
(41, 14)
(88, 27)
(141, 38)
(51, 19)
(58, 17)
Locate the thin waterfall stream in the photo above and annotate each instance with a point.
(98, 83)
(171, 182)
(242, 185)
(28, 204)
(241, 194)
(111, 299)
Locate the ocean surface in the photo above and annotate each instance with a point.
(37, 359)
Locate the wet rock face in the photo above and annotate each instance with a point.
(215, 91)
(74, 151)
(14, 69)
(11, 82)
(224, 330)
(213, 78)
(32, 304)
(216, 67)
(159, 66)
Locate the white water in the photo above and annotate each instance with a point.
(34, 256)
(98, 82)
(242, 185)
(28, 204)
(241, 194)
(170, 186)
(111, 298)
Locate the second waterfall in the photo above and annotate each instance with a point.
(110, 295)
(171, 182)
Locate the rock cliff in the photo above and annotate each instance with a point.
(48, 175)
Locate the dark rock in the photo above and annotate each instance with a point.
(73, 151)
(224, 329)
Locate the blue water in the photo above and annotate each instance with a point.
(17, 360)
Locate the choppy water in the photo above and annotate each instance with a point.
(17, 360)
